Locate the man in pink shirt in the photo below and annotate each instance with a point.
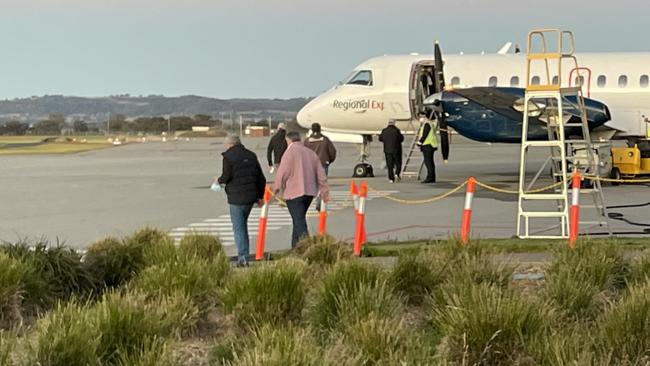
(299, 178)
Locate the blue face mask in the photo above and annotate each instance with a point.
(215, 187)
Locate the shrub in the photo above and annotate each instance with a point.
(8, 342)
(280, 346)
(202, 246)
(625, 327)
(640, 269)
(339, 288)
(56, 274)
(322, 249)
(379, 339)
(128, 323)
(12, 273)
(576, 278)
(154, 353)
(266, 294)
(199, 279)
(414, 276)
(149, 237)
(114, 262)
(68, 335)
(487, 325)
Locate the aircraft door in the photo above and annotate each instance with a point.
(422, 85)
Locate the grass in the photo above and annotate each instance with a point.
(625, 328)
(323, 249)
(513, 245)
(487, 325)
(271, 294)
(195, 277)
(129, 322)
(280, 346)
(157, 303)
(56, 274)
(338, 292)
(201, 246)
(12, 273)
(54, 148)
(579, 281)
(67, 336)
(416, 276)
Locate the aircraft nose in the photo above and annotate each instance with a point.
(304, 116)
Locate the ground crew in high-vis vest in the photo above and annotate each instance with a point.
(428, 142)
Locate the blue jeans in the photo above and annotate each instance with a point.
(239, 217)
(298, 210)
(327, 168)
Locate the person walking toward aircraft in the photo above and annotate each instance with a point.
(245, 183)
(392, 138)
(277, 147)
(299, 178)
(324, 148)
(428, 142)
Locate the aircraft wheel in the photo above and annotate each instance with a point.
(615, 174)
(363, 170)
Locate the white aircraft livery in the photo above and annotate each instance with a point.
(478, 95)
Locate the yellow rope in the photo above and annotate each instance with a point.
(418, 202)
(593, 177)
(507, 191)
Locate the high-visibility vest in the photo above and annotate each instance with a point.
(431, 138)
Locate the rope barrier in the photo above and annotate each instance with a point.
(532, 191)
(602, 179)
(417, 202)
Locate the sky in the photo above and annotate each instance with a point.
(269, 48)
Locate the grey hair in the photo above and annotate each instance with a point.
(293, 136)
(232, 140)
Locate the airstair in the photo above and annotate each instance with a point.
(413, 161)
(547, 204)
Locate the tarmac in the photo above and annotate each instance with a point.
(80, 198)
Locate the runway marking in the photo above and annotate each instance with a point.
(278, 218)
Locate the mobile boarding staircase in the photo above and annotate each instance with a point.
(545, 101)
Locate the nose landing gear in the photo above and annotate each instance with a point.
(364, 169)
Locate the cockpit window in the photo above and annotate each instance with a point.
(363, 77)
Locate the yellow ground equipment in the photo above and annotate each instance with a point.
(629, 162)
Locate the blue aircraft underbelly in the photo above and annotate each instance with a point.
(503, 123)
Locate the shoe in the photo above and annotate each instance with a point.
(391, 181)
(428, 181)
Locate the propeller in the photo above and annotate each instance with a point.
(442, 119)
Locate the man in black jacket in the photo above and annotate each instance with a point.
(392, 138)
(277, 147)
(245, 183)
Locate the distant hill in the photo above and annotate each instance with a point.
(36, 108)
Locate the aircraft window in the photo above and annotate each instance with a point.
(644, 81)
(534, 80)
(556, 80)
(363, 77)
(514, 81)
(579, 80)
(455, 81)
(492, 81)
(622, 81)
(601, 81)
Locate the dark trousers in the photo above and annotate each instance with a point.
(427, 152)
(394, 164)
(298, 210)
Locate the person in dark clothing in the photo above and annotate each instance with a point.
(245, 184)
(428, 142)
(277, 147)
(392, 138)
(324, 148)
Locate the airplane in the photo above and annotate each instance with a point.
(482, 100)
